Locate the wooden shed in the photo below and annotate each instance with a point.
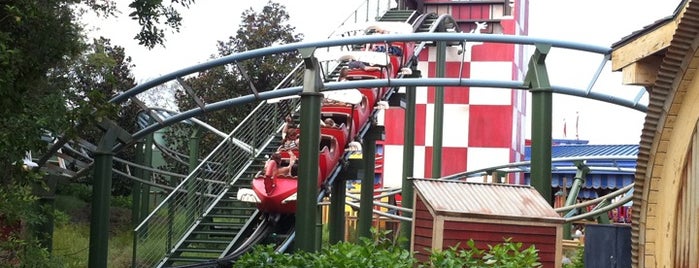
(448, 213)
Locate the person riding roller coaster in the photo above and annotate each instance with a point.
(360, 65)
(273, 168)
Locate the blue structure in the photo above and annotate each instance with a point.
(611, 166)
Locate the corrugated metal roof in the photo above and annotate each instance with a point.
(558, 151)
(459, 198)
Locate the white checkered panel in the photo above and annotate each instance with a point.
(501, 71)
(455, 125)
(479, 158)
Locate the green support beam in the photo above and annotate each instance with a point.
(438, 123)
(101, 193)
(366, 198)
(46, 203)
(408, 160)
(193, 199)
(136, 187)
(603, 218)
(147, 176)
(537, 80)
(336, 219)
(309, 151)
(578, 182)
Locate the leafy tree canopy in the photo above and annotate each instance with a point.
(52, 81)
(153, 15)
(265, 28)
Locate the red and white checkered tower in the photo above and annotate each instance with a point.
(483, 127)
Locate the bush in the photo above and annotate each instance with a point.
(382, 252)
(578, 261)
(507, 254)
(79, 190)
(377, 252)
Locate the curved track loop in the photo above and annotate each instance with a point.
(442, 23)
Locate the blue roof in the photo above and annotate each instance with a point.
(575, 150)
(596, 179)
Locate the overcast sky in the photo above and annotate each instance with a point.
(595, 22)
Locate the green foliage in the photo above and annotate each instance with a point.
(71, 246)
(78, 190)
(28, 253)
(507, 254)
(51, 83)
(377, 252)
(149, 14)
(380, 251)
(578, 261)
(257, 30)
(121, 201)
(453, 257)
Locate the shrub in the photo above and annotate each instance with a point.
(382, 252)
(79, 190)
(507, 254)
(578, 261)
(377, 252)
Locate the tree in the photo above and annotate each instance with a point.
(257, 30)
(48, 86)
(90, 80)
(149, 13)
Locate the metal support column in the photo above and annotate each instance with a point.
(578, 181)
(603, 218)
(101, 192)
(366, 199)
(136, 186)
(438, 112)
(537, 80)
(46, 203)
(336, 219)
(147, 176)
(309, 151)
(194, 140)
(193, 200)
(408, 160)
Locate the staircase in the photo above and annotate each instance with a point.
(408, 16)
(200, 219)
(215, 235)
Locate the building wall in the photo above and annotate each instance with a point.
(482, 127)
(665, 208)
(422, 230)
(672, 151)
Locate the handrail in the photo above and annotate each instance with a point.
(240, 149)
(611, 195)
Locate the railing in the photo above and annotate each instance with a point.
(181, 210)
(160, 233)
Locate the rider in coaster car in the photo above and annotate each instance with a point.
(359, 65)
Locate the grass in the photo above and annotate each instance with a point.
(71, 246)
(71, 237)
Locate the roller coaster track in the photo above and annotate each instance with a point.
(205, 201)
(258, 228)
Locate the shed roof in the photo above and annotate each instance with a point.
(484, 200)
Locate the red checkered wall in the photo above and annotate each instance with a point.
(482, 127)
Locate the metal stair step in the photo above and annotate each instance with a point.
(206, 241)
(230, 225)
(199, 250)
(188, 259)
(213, 233)
(229, 216)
